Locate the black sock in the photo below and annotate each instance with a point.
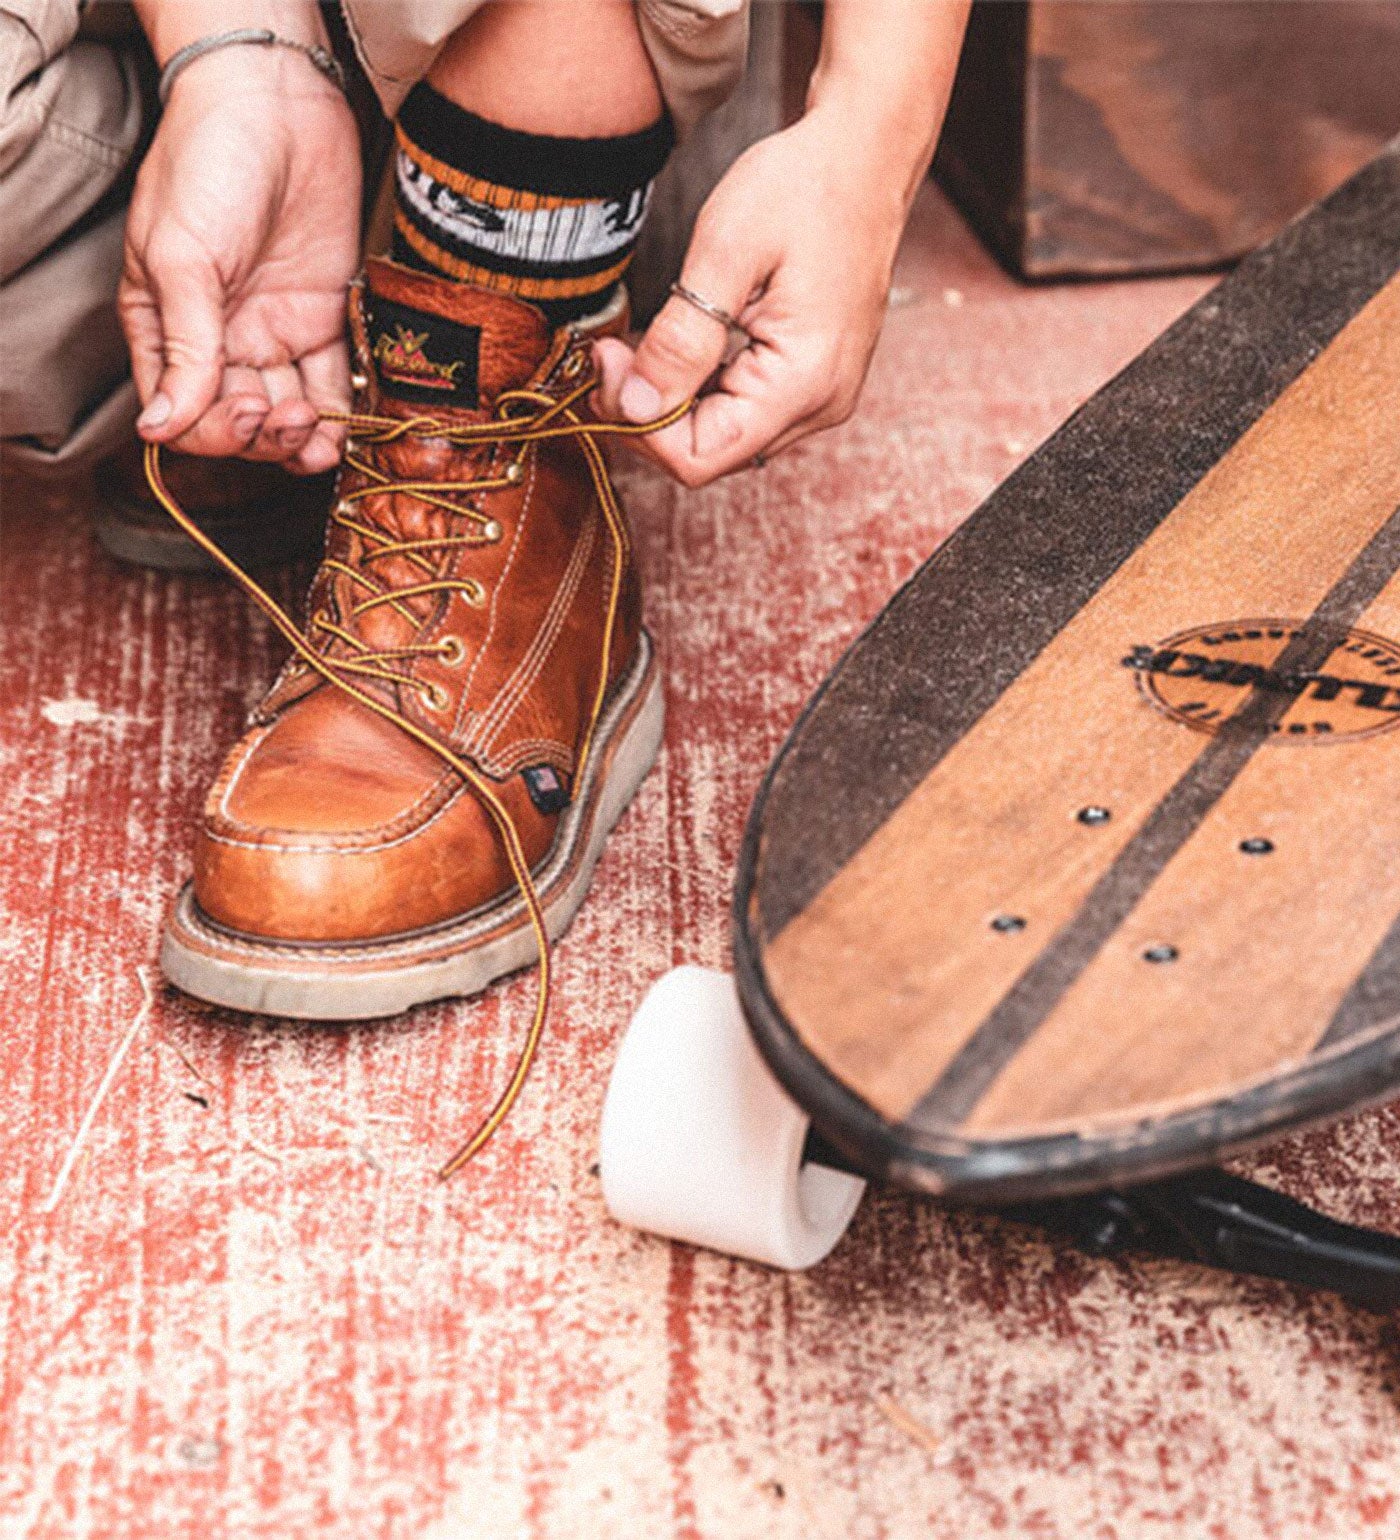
(553, 221)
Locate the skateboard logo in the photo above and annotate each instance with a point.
(1305, 686)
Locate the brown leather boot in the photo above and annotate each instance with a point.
(477, 585)
(261, 515)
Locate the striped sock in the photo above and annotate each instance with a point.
(552, 221)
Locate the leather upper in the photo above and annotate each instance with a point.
(328, 823)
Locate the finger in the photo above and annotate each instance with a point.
(227, 428)
(684, 448)
(189, 296)
(144, 339)
(232, 422)
(613, 360)
(291, 419)
(684, 346)
(244, 398)
(760, 398)
(325, 379)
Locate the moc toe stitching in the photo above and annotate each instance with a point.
(224, 826)
(385, 837)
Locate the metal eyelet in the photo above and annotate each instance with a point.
(359, 381)
(514, 473)
(452, 651)
(435, 695)
(475, 595)
(574, 365)
(491, 532)
(321, 618)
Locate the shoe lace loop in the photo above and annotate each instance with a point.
(523, 417)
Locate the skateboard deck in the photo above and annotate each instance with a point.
(1082, 868)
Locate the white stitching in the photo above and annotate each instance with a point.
(271, 843)
(500, 583)
(531, 666)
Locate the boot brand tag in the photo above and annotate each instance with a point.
(547, 789)
(422, 357)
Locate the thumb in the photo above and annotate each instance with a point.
(683, 346)
(190, 301)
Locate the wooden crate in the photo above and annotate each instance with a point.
(1101, 137)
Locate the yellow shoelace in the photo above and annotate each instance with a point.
(524, 417)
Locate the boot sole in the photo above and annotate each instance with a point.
(255, 542)
(339, 981)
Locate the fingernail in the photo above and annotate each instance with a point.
(246, 424)
(639, 399)
(292, 438)
(158, 410)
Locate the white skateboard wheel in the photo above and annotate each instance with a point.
(700, 1142)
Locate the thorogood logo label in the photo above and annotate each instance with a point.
(1203, 678)
(421, 357)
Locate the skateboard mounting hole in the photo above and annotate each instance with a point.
(1163, 952)
(1093, 815)
(1008, 924)
(1256, 845)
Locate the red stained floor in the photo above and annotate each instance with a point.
(251, 1310)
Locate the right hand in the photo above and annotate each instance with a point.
(241, 240)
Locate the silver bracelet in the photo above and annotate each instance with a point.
(322, 58)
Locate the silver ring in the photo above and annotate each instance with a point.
(715, 312)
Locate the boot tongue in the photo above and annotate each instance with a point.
(447, 346)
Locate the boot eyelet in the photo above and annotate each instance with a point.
(475, 595)
(435, 695)
(515, 473)
(574, 365)
(491, 532)
(359, 381)
(452, 651)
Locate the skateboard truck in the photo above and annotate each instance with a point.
(1220, 1220)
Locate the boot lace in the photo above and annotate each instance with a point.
(522, 417)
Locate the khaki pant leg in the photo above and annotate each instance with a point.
(696, 46)
(70, 125)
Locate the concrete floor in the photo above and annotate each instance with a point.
(253, 1312)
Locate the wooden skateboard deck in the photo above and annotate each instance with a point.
(1083, 866)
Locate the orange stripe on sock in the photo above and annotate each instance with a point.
(506, 283)
(476, 189)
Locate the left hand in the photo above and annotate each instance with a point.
(798, 243)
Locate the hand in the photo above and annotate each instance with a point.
(798, 243)
(242, 237)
